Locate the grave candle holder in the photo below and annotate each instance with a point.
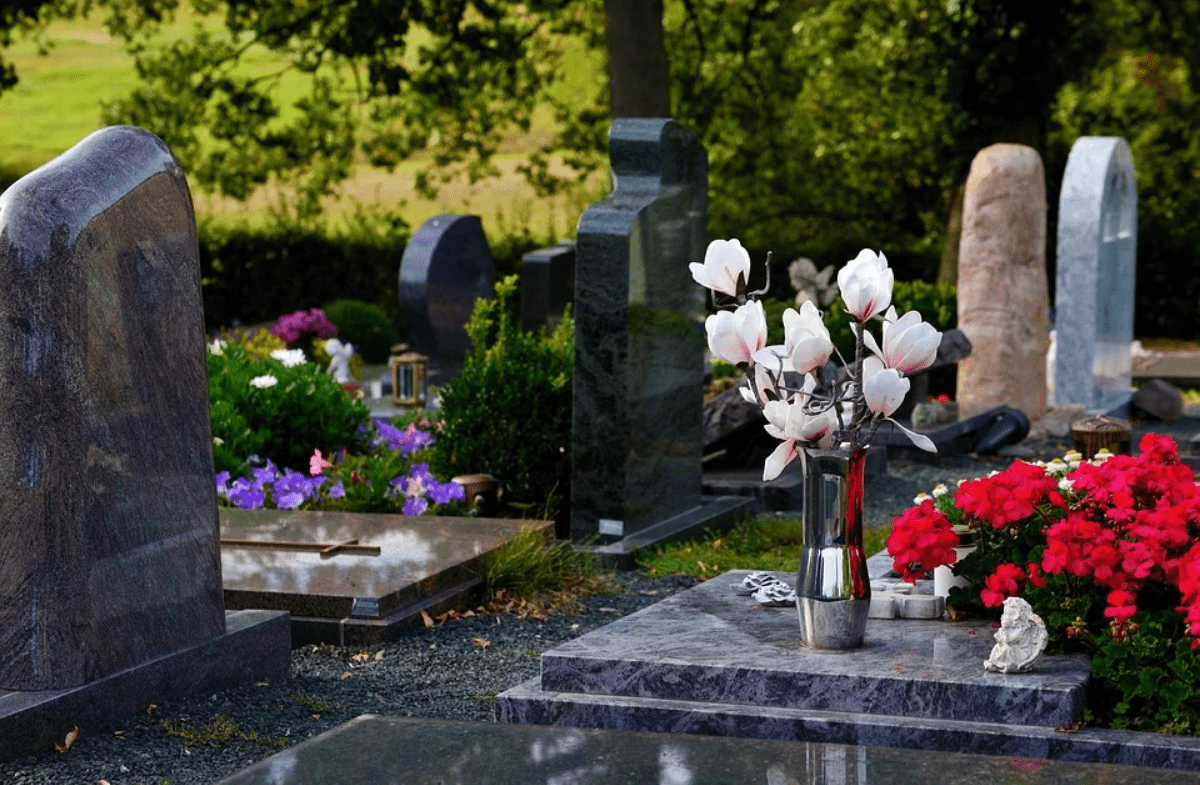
(410, 378)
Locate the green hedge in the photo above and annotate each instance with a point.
(254, 273)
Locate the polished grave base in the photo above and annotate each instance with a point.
(708, 661)
(400, 567)
(390, 749)
(714, 513)
(256, 646)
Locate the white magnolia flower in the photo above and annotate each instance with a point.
(734, 336)
(726, 263)
(769, 366)
(909, 344)
(289, 357)
(884, 388)
(806, 339)
(866, 284)
(263, 382)
(788, 421)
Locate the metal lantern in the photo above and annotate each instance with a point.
(410, 372)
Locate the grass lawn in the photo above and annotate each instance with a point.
(61, 93)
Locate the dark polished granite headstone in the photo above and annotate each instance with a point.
(109, 556)
(637, 416)
(424, 563)
(446, 267)
(547, 285)
(708, 661)
(390, 749)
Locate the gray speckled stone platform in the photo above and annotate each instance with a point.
(710, 661)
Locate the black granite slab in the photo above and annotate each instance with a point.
(254, 646)
(372, 749)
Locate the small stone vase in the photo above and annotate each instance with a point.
(833, 589)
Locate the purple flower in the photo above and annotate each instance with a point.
(223, 484)
(416, 506)
(445, 492)
(405, 441)
(337, 491)
(246, 494)
(293, 489)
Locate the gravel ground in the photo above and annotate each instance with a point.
(448, 672)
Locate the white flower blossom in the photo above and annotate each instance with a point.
(289, 357)
(263, 382)
(940, 490)
(217, 347)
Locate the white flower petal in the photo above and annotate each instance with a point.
(784, 454)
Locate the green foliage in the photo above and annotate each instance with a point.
(365, 326)
(937, 304)
(284, 422)
(254, 273)
(528, 564)
(752, 544)
(1148, 682)
(508, 411)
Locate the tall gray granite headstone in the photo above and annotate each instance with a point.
(445, 268)
(109, 554)
(637, 412)
(1097, 260)
(110, 570)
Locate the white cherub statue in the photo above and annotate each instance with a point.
(339, 360)
(1019, 641)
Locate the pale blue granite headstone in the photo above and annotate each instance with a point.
(1097, 256)
(637, 416)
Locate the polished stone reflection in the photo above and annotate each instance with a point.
(383, 750)
(418, 555)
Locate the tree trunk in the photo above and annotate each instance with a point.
(637, 58)
(948, 271)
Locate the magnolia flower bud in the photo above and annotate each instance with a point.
(734, 336)
(726, 267)
(866, 284)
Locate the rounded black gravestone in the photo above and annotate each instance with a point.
(446, 267)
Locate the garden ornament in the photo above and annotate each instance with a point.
(1019, 641)
(339, 360)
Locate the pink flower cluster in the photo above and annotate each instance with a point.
(1123, 523)
(294, 325)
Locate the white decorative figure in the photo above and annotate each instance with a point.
(339, 360)
(1019, 641)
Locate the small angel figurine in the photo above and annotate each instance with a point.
(1019, 641)
(339, 360)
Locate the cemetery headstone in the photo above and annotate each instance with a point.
(547, 285)
(637, 410)
(446, 267)
(1094, 285)
(1003, 298)
(109, 560)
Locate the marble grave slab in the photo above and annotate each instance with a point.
(387, 570)
(709, 661)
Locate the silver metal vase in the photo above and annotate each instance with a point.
(833, 588)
